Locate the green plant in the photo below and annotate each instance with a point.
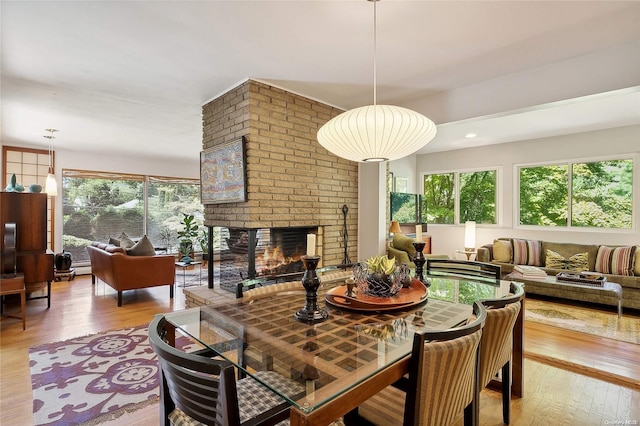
(381, 265)
(188, 233)
(203, 239)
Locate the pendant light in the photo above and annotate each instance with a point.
(376, 132)
(51, 186)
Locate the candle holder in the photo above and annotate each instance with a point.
(311, 312)
(420, 260)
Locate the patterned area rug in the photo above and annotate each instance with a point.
(92, 379)
(587, 320)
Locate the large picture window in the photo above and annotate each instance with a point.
(462, 195)
(99, 205)
(596, 194)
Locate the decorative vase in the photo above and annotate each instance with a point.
(63, 261)
(311, 312)
(379, 284)
(35, 188)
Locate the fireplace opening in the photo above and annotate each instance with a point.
(266, 253)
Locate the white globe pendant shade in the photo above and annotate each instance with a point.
(376, 133)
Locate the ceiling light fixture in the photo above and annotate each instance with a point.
(51, 186)
(470, 135)
(376, 133)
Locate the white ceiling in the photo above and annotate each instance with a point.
(131, 76)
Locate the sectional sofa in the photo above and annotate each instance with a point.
(618, 264)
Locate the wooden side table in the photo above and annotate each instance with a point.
(14, 285)
(467, 253)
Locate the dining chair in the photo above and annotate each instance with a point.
(464, 268)
(273, 289)
(497, 342)
(443, 377)
(198, 390)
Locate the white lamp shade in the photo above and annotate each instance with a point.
(470, 235)
(376, 133)
(51, 186)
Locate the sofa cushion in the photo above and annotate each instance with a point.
(114, 241)
(577, 262)
(526, 252)
(502, 251)
(404, 243)
(636, 263)
(142, 248)
(615, 260)
(125, 241)
(567, 250)
(114, 249)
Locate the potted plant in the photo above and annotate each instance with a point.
(203, 241)
(187, 235)
(166, 235)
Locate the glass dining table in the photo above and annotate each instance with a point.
(339, 363)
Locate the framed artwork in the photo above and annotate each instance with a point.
(223, 173)
(400, 184)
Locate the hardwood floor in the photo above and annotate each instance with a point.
(563, 370)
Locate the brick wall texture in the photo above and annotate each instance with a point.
(291, 179)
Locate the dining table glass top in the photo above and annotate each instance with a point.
(325, 359)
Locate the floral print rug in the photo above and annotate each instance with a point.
(92, 379)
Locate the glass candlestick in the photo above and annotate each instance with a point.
(311, 312)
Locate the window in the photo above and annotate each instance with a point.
(30, 166)
(98, 205)
(478, 196)
(476, 200)
(597, 194)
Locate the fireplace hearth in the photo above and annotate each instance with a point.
(270, 254)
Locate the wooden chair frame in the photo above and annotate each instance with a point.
(203, 388)
(516, 296)
(410, 384)
(464, 268)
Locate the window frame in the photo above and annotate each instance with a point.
(456, 192)
(569, 163)
(145, 179)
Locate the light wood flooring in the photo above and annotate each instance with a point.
(570, 378)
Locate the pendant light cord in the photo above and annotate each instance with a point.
(375, 51)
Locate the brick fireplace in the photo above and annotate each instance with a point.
(292, 181)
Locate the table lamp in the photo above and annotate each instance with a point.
(470, 235)
(394, 228)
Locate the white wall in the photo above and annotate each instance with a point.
(372, 194)
(406, 168)
(584, 146)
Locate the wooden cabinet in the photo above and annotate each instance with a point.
(29, 212)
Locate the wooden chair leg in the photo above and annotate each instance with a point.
(506, 392)
(23, 308)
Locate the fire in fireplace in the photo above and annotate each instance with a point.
(270, 253)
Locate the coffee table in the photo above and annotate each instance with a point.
(552, 282)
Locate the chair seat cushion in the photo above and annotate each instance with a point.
(253, 398)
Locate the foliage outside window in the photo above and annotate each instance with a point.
(478, 196)
(97, 206)
(476, 200)
(460, 291)
(600, 194)
(439, 193)
(407, 208)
